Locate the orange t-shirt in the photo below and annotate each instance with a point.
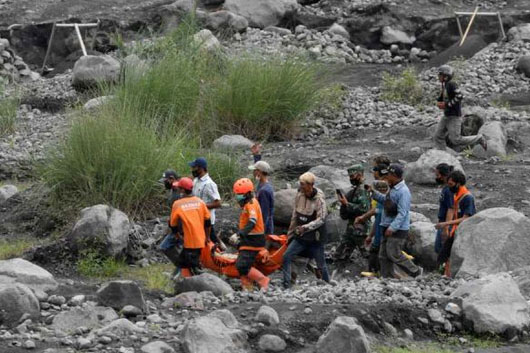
(252, 210)
(192, 213)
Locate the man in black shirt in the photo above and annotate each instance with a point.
(450, 101)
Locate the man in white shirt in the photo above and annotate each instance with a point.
(206, 189)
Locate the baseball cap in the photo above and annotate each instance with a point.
(262, 166)
(185, 183)
(199, 162)
(396, 169)
(356, 168)
(170, 173)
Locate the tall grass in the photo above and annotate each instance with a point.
(404, 87)
(8, 111)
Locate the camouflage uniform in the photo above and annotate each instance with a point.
(359, 202)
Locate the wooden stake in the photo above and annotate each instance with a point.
(469, 26)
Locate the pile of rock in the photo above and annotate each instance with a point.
(12, 66)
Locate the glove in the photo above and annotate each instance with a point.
(234, 239)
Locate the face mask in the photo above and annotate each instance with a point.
(240, 197)
(355, 182)
(454, 189)
(257, 178)
(167, 184)
(195, 173)
(439, 181)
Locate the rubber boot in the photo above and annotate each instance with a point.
(246, 283)
(259, 278)
(185, 272)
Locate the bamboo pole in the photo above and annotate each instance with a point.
(469, 26)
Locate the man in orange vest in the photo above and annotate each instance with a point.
(250, 236)
(464, 207)
(191, 220)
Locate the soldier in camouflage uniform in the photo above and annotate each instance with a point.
(356, 202)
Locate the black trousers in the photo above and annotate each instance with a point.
(445, 253)
(245, 260)
(189, 258)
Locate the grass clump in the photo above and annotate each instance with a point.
(154, 277)
(404, 87)
(11, 248)
(427, 348)
(8, 111)
(92, 264)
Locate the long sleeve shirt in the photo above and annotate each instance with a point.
(400, 195)
(452, 96)
(265, 196)
(303, 205)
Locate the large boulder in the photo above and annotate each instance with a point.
(104, 227)
(232, 143)
(521, 276)
(496, 136)
(204, 282)
(15, 301)
(523, 65)
(422, 171)
(69, 321)
(339, 30)
(493, 304)
(494, 240)
(226, 21)
(423, 235)
(519, 32)
(391, 35)
(24, 272)
(283, 206)
(343, 335)
(118, 294)
(335, 226)
(262, 13)
(209, 334)
(91, 70)
(338, 177)
(267, 316)
(6, 192)
(119, 327)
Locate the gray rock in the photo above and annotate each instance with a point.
(493, 304)
(185, 300)
(102, 226)
(279, 30)
(454, 309)
(390, 35)
(262, 13)
(119, 327)
(283, 206)
(207, 41)
(418, 217)
(232, 143)
(95, 103)
(56, 300)
(423, 235)
(267, 315)
(131, 311)
(339, 177)
(436, 316)
(77, 300)
(492, 241)
(16, 300)
(339, 30)
(83, 343)
(209, 334)
(29, 344)
(204, 282)
(523, 65)
(157, 347)
(6, 192)
(69, 321)
(343, 335)
(222, 21)
(105, 315)
(22, 271)
(519, 32)
(422, 171)
(226, 316)
(335, 226)
(496, 136)
(271, 343)
(92, 70)
(118, 294)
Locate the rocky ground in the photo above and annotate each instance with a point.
(54, 310)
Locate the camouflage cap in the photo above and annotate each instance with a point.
(356, 168)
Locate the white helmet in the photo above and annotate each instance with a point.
(445, 70)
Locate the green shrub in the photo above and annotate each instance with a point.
(92, 264)
(8, 111)
(404, 87)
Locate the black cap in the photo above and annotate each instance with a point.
(170, 173)
(396, 169)
(381, 169)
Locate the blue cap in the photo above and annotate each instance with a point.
(199, 162)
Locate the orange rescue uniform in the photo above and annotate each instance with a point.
(192, 213)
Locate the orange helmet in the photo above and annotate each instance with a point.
(243, 185)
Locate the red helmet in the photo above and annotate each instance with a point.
(185, 183)
(243, 185)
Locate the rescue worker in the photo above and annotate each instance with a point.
(171, 246)
(191, 220)
(264, 193)
(450, 101)
(250, 237)
(464, 207)
(356, 203)
(445, 211)
(395, 221)
(206, 189)
(307, 231)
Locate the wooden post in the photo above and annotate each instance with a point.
(502, 27)
(469, 26)
(50, 41)
(459, 26)
(80, 38)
